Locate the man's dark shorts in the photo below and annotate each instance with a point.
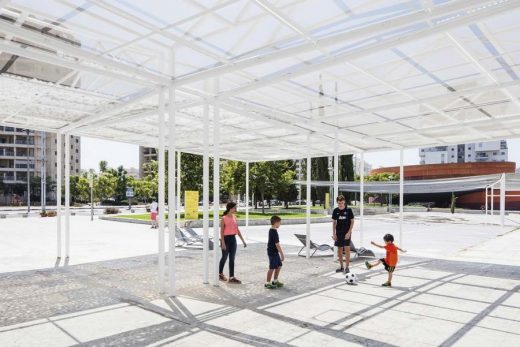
(387, 267)
(274, 262)
(341, 242)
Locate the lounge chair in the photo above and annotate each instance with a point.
(360, 252)
(183, 239)
(314, 246)
(194, 235)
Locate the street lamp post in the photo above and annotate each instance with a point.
(28, 175)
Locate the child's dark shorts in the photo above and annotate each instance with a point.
(274, 262)
(387, 267)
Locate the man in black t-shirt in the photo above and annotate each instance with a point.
(342, 223)
(275, 254)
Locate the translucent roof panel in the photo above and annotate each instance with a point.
(289, 78)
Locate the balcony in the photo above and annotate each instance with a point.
(23, 142)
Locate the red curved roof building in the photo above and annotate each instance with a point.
(473, 199)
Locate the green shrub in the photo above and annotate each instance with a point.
(111, 210)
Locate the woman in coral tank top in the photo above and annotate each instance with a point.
(228, 242)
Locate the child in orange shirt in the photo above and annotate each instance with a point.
(390, 261)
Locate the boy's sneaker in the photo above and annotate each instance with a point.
(340, 269)
(269, 286)
(277, 284)
(386, 284)
(367, 264)
(347, 270)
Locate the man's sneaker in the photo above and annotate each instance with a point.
(367, 264)
(269, 286)
(347, 270)
(278, 284)
(234, 280)
(387, 284)
(339, 269)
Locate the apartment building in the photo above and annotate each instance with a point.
(491, 151)
(36, 149)
(146, 155)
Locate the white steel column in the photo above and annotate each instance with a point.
(486, 203)
(401, 197)
(59, 170)
(42, 173)
(216, 190)
(503, 199)
(171, 189)
(179, 187)
(247, 199)
(361, 199)
(492, 199)
(205, 193)
(67, 195)
(308, 207)
(161, 188)
(336, 179)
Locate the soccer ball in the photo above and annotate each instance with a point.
(351, 278)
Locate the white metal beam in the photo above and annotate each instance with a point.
(419, 34)
(351, 35)
(282, 18)
(75, 51)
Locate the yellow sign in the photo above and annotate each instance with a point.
(327, 201)
(191, 204)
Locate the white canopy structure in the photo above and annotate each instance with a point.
(257, 80)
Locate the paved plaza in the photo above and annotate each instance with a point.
(458, 285)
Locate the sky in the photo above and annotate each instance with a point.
(94, 150)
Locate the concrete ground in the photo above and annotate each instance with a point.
(459, 284)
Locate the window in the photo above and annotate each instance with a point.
(503, 153)
(55, 152)
(55, 164)
(55, 140)
(77, 161)
(77, 170)
(451, 156)
(494, 153)
(71, 146)
(77, 140)
(453, 149)
(469, 148)
(77, 150)
(469, 155)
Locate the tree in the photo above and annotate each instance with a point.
(103, 166)
(346, 171)
(233, 177)
(269, 178)
(105, 186)
(320, 172)
(122, 183)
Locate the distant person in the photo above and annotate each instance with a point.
(154, 208)
(390, 261)
(275, 254)
(342, 224)
(228, 242)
